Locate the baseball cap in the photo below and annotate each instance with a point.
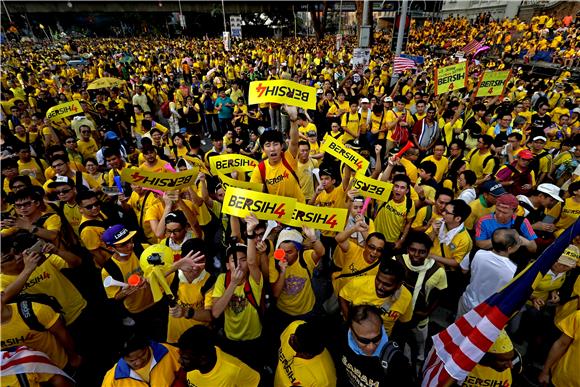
(364, 100)
(502, 344)
(552, 190)
(526, 154)
(61, 180)
(388, 99)
(289, 235)
(508, 200)
(326, 172)
(570, 256)
(576, 110)
(539, 138)
(117, 234)
(493, 187)
(110, 135)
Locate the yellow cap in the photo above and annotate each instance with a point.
(503, 344)
(570, 257)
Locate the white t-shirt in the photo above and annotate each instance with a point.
(489, 273)
(468, 195)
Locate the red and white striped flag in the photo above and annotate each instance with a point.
(460, 347)
(471, 47)
(400, 64)
(24, 360)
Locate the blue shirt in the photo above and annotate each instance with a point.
(488, 224)
(226, 111)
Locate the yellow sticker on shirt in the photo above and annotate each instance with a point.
(493, 83)
(240, 202)
(228, 181)
(281, 91)
(64, 110)
(344, 154)
(372, 188)
(163, 181)
(450, 78)
(231, 162)
(321, 218)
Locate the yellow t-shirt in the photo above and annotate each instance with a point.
(565, 372)
(296, 371)
(88, 149)
(297, 296)
(34, 380)
(477, 211)
(140, 205)
(189, 295)
(442, 166)
(410, 169)
(47, 279)
(459, 247)
(421, 218)
(304, 173)
(486, 376)
(361, 290)
(310, 127)
(350, 261)
(547, 284)
(242, 321)
(33, 169)
(476, 163)
(391, 218)
(279, 180)
(91, 235)
(569, 214)
(352, 122)
(73, 216)
(392, 116)
(138, 301)
(229, 371)
(15, 332)
(159, 166)
(377, 124)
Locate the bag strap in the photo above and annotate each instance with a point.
(113, 269)
(288, 167)
(27, 314)
(262, 169)
(387, 354)
(428, 214)
(303, 264)
(362, 271)
(142, 211)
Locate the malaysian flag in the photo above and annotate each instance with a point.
(23, 360)
(401, 64)
(471, 47)
(458, 348)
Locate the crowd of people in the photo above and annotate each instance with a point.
(488, 184)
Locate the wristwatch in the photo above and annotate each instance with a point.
(189, 314)
(250, 236)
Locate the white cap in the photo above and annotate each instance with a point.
(576, 110)
(289, 235)
(364, 100)
(539, 138)
(388, 99)
(552, 190)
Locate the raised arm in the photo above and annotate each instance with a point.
(292, 112)
(253, 264)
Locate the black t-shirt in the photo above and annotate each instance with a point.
(539, 124)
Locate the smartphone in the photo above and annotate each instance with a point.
(37, 247)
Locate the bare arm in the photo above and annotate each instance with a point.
(58, 329)
(253, 263)
(317, 245)
(344, 307)
(294, 136)
(558, 350)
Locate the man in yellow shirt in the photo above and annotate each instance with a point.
(495, 368)
(395, 215)
(152, 162)
(481, 160)
(302, 358)
(306, 165)
(305, 127)
(31, 166)
(87, 145)
(277, 172)
(441, 162)
(485, 203)
(207, 365)
(385, 290)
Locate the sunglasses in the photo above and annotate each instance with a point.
(365, 341)
(63, 192)
(92, 205)
(23, 204)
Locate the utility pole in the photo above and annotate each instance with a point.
(402, 23)
(7, 13)
(224, 12)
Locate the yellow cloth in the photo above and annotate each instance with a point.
(229, 371)
(486, 376)
(441, 165)
(350, 261)
(391, 219)
(295, 371)
(457, 249)
(279, 180)
(242, 321)
(361, 290)
(566, 372)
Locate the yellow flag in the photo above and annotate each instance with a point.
(281, 91)
(493, 83)
(64, 110)
(321, 218)
(346, 155)
(163, 181)
(228, 181)
(231, 162)
(240, 202)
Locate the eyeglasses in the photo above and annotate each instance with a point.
(123, 244)
(18, 187)
(58, 165)
(63, 192)
(375, 248)
(447, 212)
(365, 341)
(23, 204)
(90, 206)
(85, 131)
(174, 231)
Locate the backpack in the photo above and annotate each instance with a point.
(400, 134)
(165, 112)
(24, 305)
(387, 355)
(486, 161)
(428, 215)
(535, 163)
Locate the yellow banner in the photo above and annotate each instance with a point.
(163, 181)
(346, 155)
(240, 202)
(280, 91)
(64, 110)
(371, 188)
(228, 181)
(493, 83)
(450, 78)
(231, 162)
(321, 218)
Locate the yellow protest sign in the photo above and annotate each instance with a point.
(346, 155)
(163, 181)
(372, 188)
(240, 202)
(231, 162)
(281, 91)
(493, 83)
(321, 218)
(450, 78)
(64, 110)
(228, 181)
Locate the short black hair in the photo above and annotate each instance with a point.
(377, 235)
(402, 178)
(419, 237)
(271, 136)
(198, 339)
(28, 193)
(392, 267)
(134, 341)
(429, 167)
(85, 195)
(444, 191)
(470, 176)
(111, 151)
(308, 338)
(461, 209)
(487, 139)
